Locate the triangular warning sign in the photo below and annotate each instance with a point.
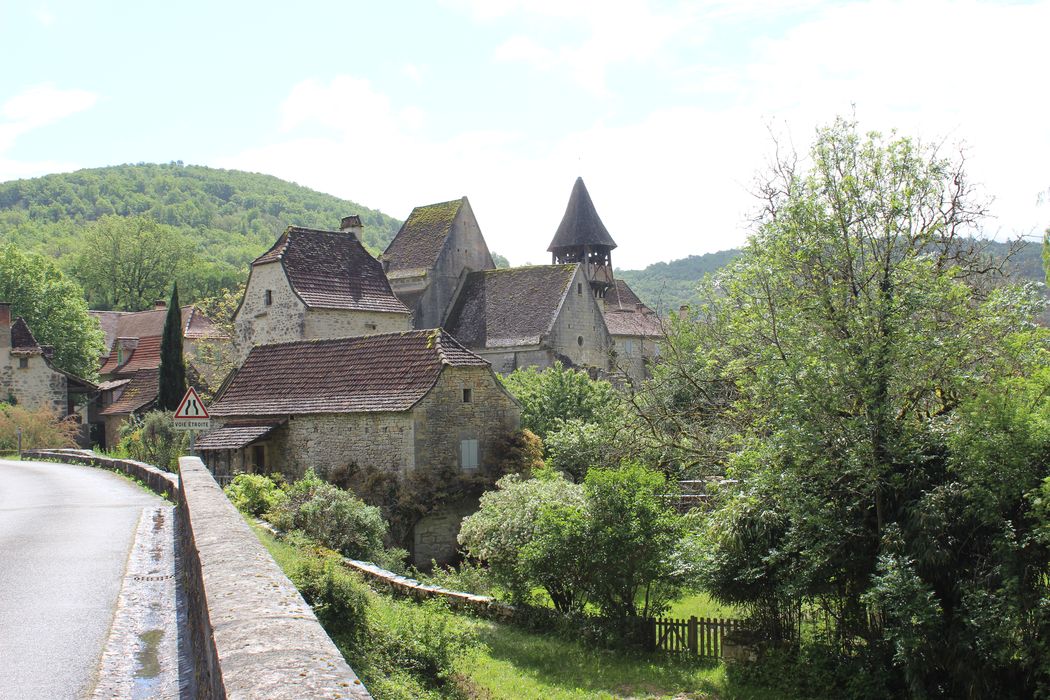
(191, 407)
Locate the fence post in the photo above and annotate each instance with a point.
(650, 628)
(693, 645)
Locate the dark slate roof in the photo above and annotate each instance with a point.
(234, 436)
(387, 372)
(332, 270)
(509, 307)
(418, 243)
(581, 225)
(625, 314)
(139, 393)
(22, 339)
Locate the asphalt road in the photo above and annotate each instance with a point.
(65, 535)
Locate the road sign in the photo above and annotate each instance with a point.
(191, 413)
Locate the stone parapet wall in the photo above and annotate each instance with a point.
(251, 634)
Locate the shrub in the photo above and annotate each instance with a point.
(153, 440)
(254, 494)
(334, 517)
(339, 597)
(40, 428)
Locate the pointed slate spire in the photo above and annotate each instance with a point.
(581, 225)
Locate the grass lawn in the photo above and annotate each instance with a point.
(701, 605)
(513, 663)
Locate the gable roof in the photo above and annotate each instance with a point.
(145, 356)
(509, 307)
(22, 339)
(419, 242)
(139, 393)
(625, 314)
(580, 225)
(146, 324)
(387, 372)
(332, 270)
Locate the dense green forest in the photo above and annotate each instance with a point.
(225, 217)
(667, 286)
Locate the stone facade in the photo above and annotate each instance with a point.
(579, 332)
(27, 379)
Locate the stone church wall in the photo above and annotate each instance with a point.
(581, 318)
(344, 323)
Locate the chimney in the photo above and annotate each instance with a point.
(352, 225)
(160, 305)
(5, 324)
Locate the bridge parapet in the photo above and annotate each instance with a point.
(252, 635)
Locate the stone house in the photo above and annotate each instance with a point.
(29, 379)
(314, 284)
(129, 370)
(394, 401)
(426, 262)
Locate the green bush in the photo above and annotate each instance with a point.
(153, 440)
(40, 428)
(337, 519)
(255, 494)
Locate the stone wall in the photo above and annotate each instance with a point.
(35, 386)
(581, 317)
(344, 323)
(252, 634)
(443, 419)
(257, 323)
(634, 361)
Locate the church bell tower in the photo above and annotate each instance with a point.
(582, 238)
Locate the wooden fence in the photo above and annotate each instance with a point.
(703, 636)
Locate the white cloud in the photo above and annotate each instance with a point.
(413, 73)
(34, 108)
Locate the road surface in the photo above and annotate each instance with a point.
(66, 533)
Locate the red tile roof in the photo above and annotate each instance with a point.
(389, 372)
(148, 327)
(625, 314)
(332, 270)
(510, 306)
(419, 242)
(145, 356)
(139, 393)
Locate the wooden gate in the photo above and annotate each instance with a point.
(703, 636)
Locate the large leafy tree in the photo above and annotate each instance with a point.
(858, 347)
(53, 306)
(172, 372)
(127, 263)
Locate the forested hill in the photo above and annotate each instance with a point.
(231, 215)
(667, 286)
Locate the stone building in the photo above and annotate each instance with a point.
(396, 401)
(129, 370)
(28, 378)
(574, 311)
(426, 262)
(315, 284)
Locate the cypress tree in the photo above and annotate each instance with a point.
(172, 365)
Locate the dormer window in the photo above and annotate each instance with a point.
(268, 297)
(120, 354)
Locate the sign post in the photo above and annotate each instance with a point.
(191, 415)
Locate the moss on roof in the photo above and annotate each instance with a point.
(421, 237)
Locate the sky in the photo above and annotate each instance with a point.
(668, 110)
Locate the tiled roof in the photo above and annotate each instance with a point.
(113, 384)
(418, 243)
(148, 324)
(388, 372)
(510, 306)
(580, 225)
(107, 321)
(139, 393)
(625, 314)
(332, 270)
(145, 356)
(22, 339)
(234, 436)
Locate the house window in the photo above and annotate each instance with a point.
(370, 326)
(268, 297)
(120, 355)
(258, 458)
(468, 454)
(579, 287)
(468, 396)
(579, 340)
(628, 346)
(23, 363)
